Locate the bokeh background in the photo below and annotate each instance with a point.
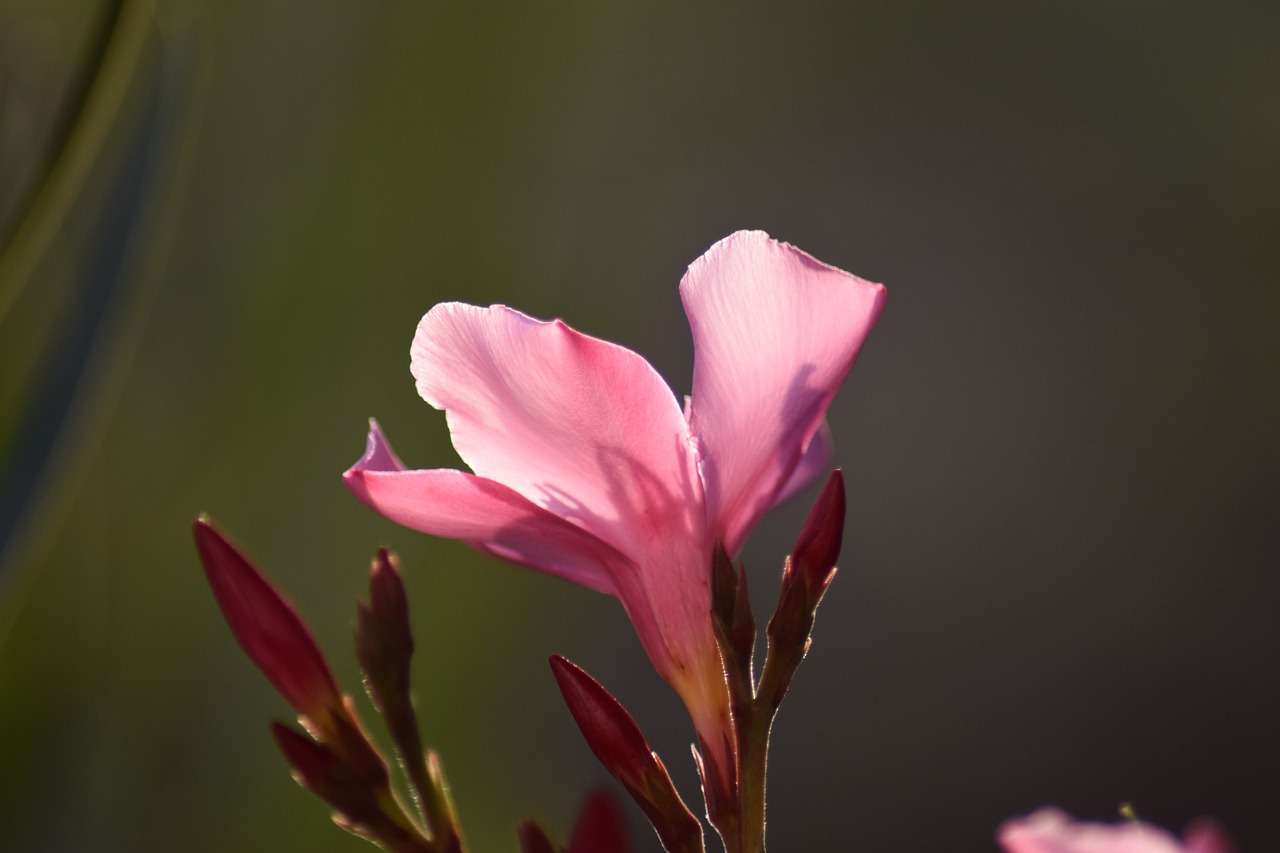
(221, 222)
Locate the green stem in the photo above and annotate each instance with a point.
(756, 721)
(753, 764)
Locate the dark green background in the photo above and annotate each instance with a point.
(1060, 580)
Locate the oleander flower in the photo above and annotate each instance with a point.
(585, 466)
(1052, 831)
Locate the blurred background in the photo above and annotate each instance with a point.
(1060, 585)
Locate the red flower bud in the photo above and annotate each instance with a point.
(360, 806)
(384, 640)
(313, 763)
(818, 546)
(267, 627)
(618, 742)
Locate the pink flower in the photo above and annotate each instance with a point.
(1052, 831)
(585, 466)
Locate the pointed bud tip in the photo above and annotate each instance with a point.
(386, 587)
(611, 732)
(818, 546)
(609, 729)
(266, 625)
(311, 761)
(618, 742)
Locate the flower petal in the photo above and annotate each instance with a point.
(581, 427)
(774, 333)
(1051, 831)
(813, 462)
(1205, 836)
(486, 515)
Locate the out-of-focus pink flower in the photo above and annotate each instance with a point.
(1052, 831)
(586, 467)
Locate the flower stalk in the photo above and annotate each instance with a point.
(333, 757)
(384, 647)
(806, 575)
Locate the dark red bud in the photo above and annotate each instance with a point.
(313, 763)
(384, 639)
(267, 626)
(610, 731)
(618, 742)
(600, 827)
(386, 591)
(360, 803)
(734, 622)
(322, 772)
(818, 546)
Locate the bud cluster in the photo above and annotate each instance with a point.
(332, 756)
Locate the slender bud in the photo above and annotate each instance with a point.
(808, 573)
(384, 641)
(322, 772)
(734, 622)
(267, 627)
(384, 647)
(618, 742)
(313, 763)
(818, 546)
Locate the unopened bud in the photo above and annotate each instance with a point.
(621, 747)
(267, 627)
(818, 546)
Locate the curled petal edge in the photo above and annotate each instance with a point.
(485, 514)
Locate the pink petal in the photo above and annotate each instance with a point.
(813, 462)
(774, 333)
(1051, 831)
(581, 427)
(487, 515)
(1205, 836)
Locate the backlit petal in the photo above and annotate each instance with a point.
(581, 427)
(774, 333)
(486, 515)
(813, 463)
(1051, 831)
